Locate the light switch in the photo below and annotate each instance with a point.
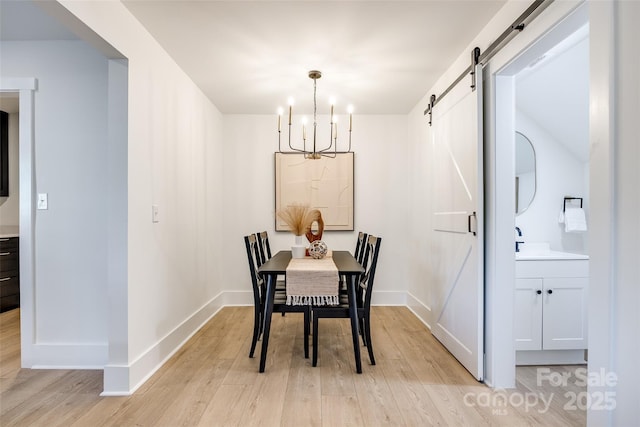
(154, 213)
(43, 201)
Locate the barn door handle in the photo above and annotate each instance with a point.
(469, 223)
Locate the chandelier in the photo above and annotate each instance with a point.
(311, 149)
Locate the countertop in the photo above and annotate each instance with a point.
(9, 231)
(551, 255)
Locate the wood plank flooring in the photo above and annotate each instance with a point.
(211, 381)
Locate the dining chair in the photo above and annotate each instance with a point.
(265, 255)
(279, 301)
(263, 245)
(363, 300)
(358, 254)
(360, 244)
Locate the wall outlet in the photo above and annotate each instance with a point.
(43, 201)
(155, 216)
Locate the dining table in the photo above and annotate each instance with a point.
(347, 266)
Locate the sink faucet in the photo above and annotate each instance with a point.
(519, 242)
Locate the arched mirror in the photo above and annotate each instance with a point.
(525, 173)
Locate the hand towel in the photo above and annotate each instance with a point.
(574, 220)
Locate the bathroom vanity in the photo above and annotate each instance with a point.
(550, 311)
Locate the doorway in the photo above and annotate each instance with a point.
(9, 202)
(543, 103)
(24, 88)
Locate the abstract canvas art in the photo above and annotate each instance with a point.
(325, 184)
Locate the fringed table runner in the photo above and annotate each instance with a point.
(312, 281)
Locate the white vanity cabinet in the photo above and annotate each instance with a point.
(550, 311)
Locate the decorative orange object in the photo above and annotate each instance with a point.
(311, 236)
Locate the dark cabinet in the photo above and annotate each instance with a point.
(4, 154)
(9, 273)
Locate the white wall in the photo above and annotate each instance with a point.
(70, 147)
(420, 268)
(175, 162)
(559, 173)
(614, 341)
(381, 204)
(171, 268)
(9, 206)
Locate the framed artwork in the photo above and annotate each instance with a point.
(325, 184)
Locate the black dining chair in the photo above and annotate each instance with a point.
(279, 301)
(358, 254)
(363, 300)
(360, 244)
(265, 255)
(263, 245)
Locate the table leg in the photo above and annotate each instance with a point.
(353, 312)
(268, 311)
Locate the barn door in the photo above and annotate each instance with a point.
(458, 299)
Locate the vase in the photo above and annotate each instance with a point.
(299, 248)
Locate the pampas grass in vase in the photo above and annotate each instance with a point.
(298, 217)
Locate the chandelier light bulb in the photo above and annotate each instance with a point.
(290, 109)
(350, 109)
(304, 128)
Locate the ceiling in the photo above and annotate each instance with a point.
(554, 92)
(248, 57)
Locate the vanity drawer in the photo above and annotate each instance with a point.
(552, 268)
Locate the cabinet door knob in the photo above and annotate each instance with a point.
(538, 292)
(549, 291)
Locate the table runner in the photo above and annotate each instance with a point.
(312, 281)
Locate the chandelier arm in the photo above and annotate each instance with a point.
(298, 150)
(333, 133)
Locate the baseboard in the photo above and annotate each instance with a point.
(389, 298)
(236, 298)
(550, 357)
(417, 307)
(68, 356)
(123, 380)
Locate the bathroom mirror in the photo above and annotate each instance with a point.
(525, 173)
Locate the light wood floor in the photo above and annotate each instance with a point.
(211, 381)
